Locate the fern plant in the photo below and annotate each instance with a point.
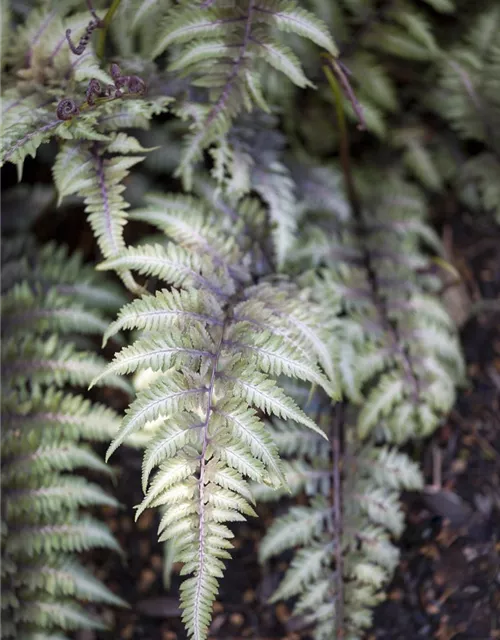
(240, 92)
(47, 430)
(61, 92)
(217, 341)
(76, 99)
(222, 46)
(401, 369)
(398, 362)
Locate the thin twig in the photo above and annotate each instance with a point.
(95, 23)
(345, 157)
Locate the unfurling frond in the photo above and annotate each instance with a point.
(217, 342)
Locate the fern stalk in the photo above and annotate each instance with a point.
(197, 617)
(101, 42)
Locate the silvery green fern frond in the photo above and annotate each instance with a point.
(343, 539)
(397, 351)
(257, 163)
(217, 342)
(222, 47)
(47, 429)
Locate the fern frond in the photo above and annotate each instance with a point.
(213, 374)
(52, 267)
(468, 80)
(84, 171)
(23, 308)
(220, 47)
(371, 480)
(402, 364)
(46, 432)
(65, 413)
(64, 578)
(45, 360)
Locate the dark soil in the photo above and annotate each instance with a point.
(447, 583)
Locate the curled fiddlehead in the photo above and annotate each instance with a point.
(134, 84)
(96, 90)
(93, 91)
(95, 23)
(67, 109)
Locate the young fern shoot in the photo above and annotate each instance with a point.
(53, 96)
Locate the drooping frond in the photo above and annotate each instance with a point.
(46, 434)
(86, 170)
(222, 47)
(257, 163)
(397, 351)
(97, 170)
(217, 342)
